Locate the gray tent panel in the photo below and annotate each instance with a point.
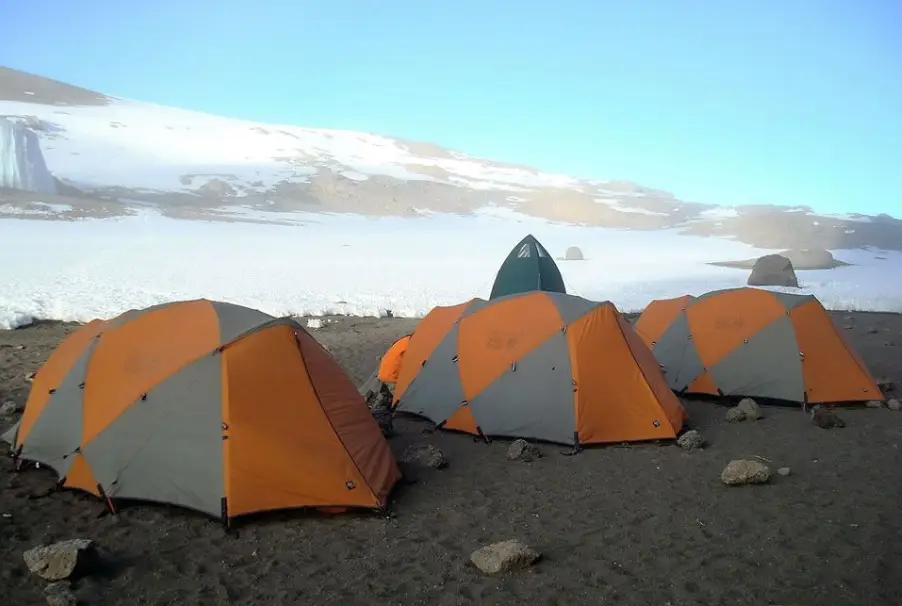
(436, 393)
(791, 301)
(9, 436)
(168, 447)
(534, 399)
(56, 433)
(676, 352)
(768, 366)
(235, 320)
(571, 307)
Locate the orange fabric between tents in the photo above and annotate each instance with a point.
(390, 365)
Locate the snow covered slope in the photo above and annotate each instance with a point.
(21, 162)
(119, 153)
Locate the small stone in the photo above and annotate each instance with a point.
(62, 560)
(784, 471)
(521, 450)
(7, 408)
(691, 440)
(426, 455)
(734, 415)
(750, 408)
(745, 471)
(894, 404)
(60, 594)
(20, 347)
(886, 385)
(504, 556)
(826, 418)
(30, 377)
(874, 404)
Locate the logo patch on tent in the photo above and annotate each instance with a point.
(523, 253)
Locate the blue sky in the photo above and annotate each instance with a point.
(721, 101)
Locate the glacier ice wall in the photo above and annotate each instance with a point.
(22, 164)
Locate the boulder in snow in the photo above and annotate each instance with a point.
(573, 254)
(773, 270)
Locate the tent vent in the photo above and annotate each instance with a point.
(350, 485)
(656, 423)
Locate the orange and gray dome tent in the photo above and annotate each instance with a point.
(757, 343)
(540, 365)
(205, 405)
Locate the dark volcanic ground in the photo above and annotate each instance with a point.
(644, 525)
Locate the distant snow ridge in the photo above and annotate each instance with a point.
(22, 164)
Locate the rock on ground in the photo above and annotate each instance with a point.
(521, 450)
(691, 440)
(504, 556)
(734, 415)
(750, 409)
(60, 594)
(886, 385)
(874, 404)
(425, 454)
(826, 418)
(63, 560)
(745, 471)
(8, 408)
(380, 407)
(784, 471)
(894, 404)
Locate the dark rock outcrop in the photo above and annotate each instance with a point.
(773, 270)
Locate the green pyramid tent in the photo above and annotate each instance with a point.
(528, 267)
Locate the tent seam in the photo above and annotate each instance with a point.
(329, 419)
